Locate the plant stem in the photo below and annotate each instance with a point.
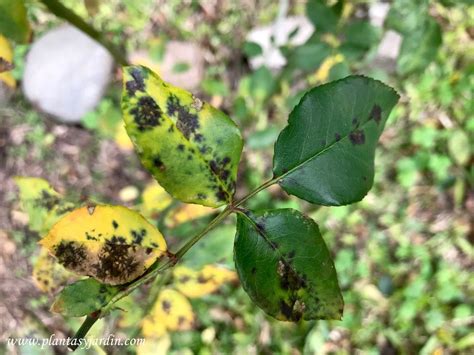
(83, 330)
(155, 271)
(63, 12)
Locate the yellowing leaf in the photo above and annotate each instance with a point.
(187, 213)
(191, 148)
(155, 346)
(41, 202)
(6, 59)
(48, 274)
(155, 199)
(171, 311)
(200, 283)
(110, 243)
(122, 139)
(322, 73)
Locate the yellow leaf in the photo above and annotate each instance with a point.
(155, 199)
(187, 213)
(110, 243)
(171, 311)
(122, 139)
(48, 274)
(322, 73)
(155, 346)
(200, 283)
(6, 59)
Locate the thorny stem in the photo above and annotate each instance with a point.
(157, 269)
(63, 12)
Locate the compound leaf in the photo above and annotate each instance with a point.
(191, 148)
(111, 243)
(326, 153)
(83, 297)
(285, 266)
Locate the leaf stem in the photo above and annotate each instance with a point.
(63, 12)
(155, 270)
(83, 330)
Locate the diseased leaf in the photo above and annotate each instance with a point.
(48, 274)
(186, 213)
(6, 63)
(41, 202)
(190, 147)
(285, 266)
(195, 284)
(172, 311)
(326, 153)
(13, 20)
(83, 297)
(111, 243)
(155, 199)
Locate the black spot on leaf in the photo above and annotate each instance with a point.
(137, 84)
(187, 122)
(181, 147)
(166, 306)
(158, 163)
(115, 224)
(376, 114)
(357, 137)
(338, 137)
(71, 254)
(116, 261)
(147, 113)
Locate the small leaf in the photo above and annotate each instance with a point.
(195, 284)
(13, 20)
(6, 65)
(459, 147)
(48, 274)
(324, 18)
(83, 297)
(326, 153)
(111, 243)
(172, 311)
(285, 266)
(190, 147)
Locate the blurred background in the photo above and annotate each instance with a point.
(404, 255)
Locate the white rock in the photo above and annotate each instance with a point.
(280, 31)
(66, 73)
(378, 12)
(389, 46)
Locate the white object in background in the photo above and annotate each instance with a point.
(378, 12)
(66, 73)
(389, 46)
(280, 31)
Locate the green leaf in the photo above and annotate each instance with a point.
(324, 18)
(13, 20)
(191, 148)
(83, 297)
(309, 56)
(459, 147)
(419, 48)
(285, 266)
(326, 153)
(405, 16)
(252, 49)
